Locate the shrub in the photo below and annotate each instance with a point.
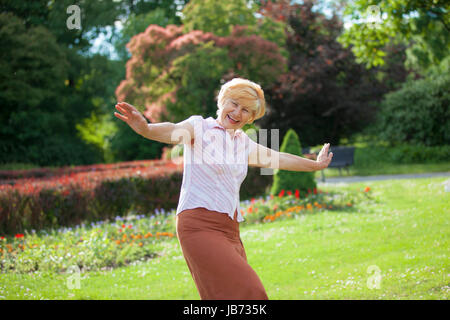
(290, 180)
(401, 154)
(417, 114)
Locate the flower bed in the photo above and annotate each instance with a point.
(109, 244)
(97, 246)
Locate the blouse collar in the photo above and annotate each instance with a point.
(215, 124)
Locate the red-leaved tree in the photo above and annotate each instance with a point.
(172, 75)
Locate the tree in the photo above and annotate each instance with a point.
(33, 63)
(70, 91)
(424, 26)
(288, 180)
(325, 95)
(172, 75)
(418, 113)
(36, 122)
(221, 17)
(218, 17)
(136, 24)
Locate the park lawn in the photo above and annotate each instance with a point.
(403, 235)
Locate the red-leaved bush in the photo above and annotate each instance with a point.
(46, 198)
(34, 199)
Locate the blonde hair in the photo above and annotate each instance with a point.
(246, 93)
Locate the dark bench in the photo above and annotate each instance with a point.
(343, 157)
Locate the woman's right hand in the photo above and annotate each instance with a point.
(132, 117)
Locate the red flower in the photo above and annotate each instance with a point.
(297, 193)
(124, 226)
(19, 235)
(315, 191)
(130, 226)
(253, 200)
(281, 194)
(289, 193)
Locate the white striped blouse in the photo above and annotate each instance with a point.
(214, 167)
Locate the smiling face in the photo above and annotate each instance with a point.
(240, 102)
(231, 111)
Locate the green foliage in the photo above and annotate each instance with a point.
(289, 180)
(217, 17)
(424, 25)
(198, 75)
(255, 184)
(98, 131)
(418, 113)
(33, 64)
(138, 23)
(65, 115)
(324, 95)
(126, 145)
(39, 127)
(173, 75)
(41, 138)
(401, 154)
(220, 17)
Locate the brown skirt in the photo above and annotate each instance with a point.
(215, 256)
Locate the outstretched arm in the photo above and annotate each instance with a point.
(267, 158)
(165, 132)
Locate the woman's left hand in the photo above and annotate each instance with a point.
(324, 159)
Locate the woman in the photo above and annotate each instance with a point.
(216, 155)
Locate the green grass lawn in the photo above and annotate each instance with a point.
(404, 235)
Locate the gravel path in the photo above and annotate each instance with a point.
(337, 180)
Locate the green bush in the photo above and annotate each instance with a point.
(289, 180)
(417, 114)
(255, 184)
(401, 154)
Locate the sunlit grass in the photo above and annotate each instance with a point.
(405, 235)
